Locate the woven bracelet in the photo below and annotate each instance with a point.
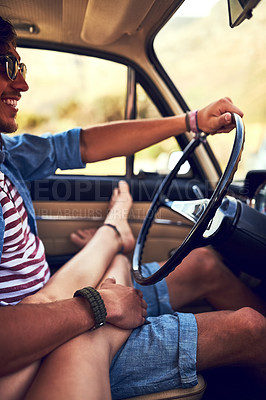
(96, 303)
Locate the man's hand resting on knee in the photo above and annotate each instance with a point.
(125, 305)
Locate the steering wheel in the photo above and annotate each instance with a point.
(200, 211)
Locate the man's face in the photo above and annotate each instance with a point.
(10, 93)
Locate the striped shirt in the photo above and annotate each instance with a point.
(23, 267)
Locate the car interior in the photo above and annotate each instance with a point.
(104, 63)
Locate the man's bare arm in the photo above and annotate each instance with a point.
(126, 137)
(31, 331)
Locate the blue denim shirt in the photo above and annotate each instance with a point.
(29, 157)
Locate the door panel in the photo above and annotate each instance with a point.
(56, 221)
(58, 215)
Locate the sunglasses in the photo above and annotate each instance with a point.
(13, 66)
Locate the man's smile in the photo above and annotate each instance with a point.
(11, 102)
(9, 109)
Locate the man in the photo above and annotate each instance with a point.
(82, 359)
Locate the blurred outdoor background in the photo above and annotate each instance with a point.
(204, 57)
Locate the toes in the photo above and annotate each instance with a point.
(124, 190)
(123, 187)
(113, 198)
(77, 240)
(86, 234)
(82, 237)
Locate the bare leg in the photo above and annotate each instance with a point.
(203, 275)
(120, 205)
(15, 386)
(82, 237)
(83, 363)
(224, 337)
(86, 268)
(231, 338)
(120, 269)
(89, 265)
(80, 368)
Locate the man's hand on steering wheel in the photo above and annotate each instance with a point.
(217, 116)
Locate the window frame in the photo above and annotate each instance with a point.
(138, 77)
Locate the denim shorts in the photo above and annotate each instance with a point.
(159, 356)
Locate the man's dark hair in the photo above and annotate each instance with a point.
(7, 35)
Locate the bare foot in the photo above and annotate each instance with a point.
(120, 205)
(82, 236)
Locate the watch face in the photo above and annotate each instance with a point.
(260, 199)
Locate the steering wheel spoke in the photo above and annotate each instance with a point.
(191, 209)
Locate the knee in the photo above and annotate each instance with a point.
(205, 260)
(121, 270)
(252, 324)
(208, 270)
(122, 261)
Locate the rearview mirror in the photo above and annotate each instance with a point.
(239, 10)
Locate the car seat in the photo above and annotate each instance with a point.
(193, 393)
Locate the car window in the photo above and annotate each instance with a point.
(69, 90)
(207, 60)
(156, 158)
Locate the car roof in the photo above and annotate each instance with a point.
(109, 26)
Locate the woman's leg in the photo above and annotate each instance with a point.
(86, 269)
(15, 386)
(90, 264)
(82, 236)
(120, 269)
(79, 369)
